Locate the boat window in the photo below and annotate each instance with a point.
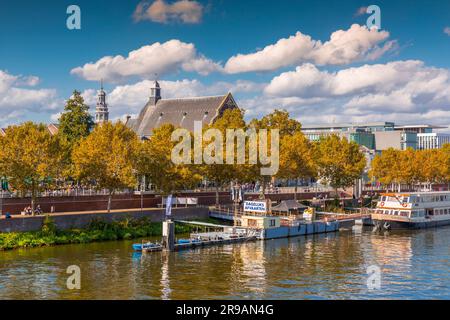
(383, 198)
(405, 199)
(395, 213)
(404, 213)
(446, 211)
(442, 198)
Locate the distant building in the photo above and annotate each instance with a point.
(398, 140)
(52, 128)
(381, 136)
(180, 112)
(434, 140)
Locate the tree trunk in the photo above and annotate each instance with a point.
(263, 189)
(33, 198)
(109, 201)
(33, 201)
(295, 189)
(217, 196)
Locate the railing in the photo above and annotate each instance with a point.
(380, 216)
(63, 193)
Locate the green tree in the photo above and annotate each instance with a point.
(75, 123)
(339, 161)
(107, 158)
(29, 158)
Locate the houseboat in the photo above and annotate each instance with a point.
(412, 210)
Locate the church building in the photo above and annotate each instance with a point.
(179, 112)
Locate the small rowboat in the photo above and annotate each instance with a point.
(148, 246)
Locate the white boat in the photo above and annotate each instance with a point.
(413, 210)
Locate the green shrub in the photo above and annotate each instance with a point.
(97, 230)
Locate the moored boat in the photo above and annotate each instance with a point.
(414, 210)
(147, 246)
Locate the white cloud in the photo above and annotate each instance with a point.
(344, 47)
(447, 31)
(16, 101)
(183, 11)
(160, 58)
(399, 91)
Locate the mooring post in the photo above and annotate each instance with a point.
(168, 235)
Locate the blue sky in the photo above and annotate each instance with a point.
(39, 57)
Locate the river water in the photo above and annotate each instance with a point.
(413, 265)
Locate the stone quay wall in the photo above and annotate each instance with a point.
(80, 220)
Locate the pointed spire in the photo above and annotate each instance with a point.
(101, 111)
(155, 91)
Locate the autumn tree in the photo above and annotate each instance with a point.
(155, 161)
(107, 158)
(281, 121)
(296, 159)
(29, 158)
(385, 167)
(224, 173)
(445, 161)
(339, 161)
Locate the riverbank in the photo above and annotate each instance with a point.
(96, 231)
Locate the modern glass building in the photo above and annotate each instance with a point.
(382, 135)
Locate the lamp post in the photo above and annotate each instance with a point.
(237, 197)
(142, 192)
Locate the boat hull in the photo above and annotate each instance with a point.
(398, 225)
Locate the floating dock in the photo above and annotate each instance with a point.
(251, 228)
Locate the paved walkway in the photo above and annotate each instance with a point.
(56, 214)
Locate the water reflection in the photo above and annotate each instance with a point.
(414, 264)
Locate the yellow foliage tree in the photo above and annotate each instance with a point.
(279, 120)
(29, 158)
(296, 158)
(224, 173)
(386, 167)
(154, 161)
(107, 158)
(339, 161)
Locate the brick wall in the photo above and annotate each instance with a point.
(129, 201)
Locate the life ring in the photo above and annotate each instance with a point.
(404, 205)
(382, 204)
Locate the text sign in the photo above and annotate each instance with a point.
(255, 206)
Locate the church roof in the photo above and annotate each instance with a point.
(287, 205)
(180, 112)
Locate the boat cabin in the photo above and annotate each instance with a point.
(260, 222)
(414, 205)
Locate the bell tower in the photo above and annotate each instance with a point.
(101, 110)
(155, 93)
